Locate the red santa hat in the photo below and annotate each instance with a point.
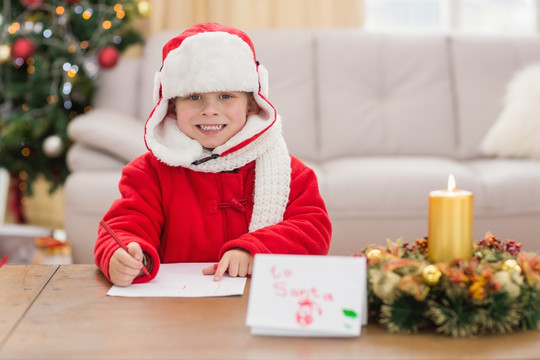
(210, 57)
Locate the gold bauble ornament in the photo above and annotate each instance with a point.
(432, 275)
(144, 8)
(511, 265)
(5, 53)
(374, 254)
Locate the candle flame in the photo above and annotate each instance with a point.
(451, 183)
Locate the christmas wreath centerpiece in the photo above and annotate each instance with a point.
(496, 292)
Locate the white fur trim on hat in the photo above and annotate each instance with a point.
(208, 62)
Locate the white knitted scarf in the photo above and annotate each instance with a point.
(272, 174)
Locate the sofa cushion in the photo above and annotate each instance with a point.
(376, 186)
(516, 133)
(151, 63)
(511, 186)
(394, 99)
(483, 66)
(289, 58)
(119, 87)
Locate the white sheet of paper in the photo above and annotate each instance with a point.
(183, 280)
(300, 295)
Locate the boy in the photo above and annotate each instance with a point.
(218, 184)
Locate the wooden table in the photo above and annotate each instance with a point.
(63, 312)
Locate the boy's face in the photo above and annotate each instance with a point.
(213, 118)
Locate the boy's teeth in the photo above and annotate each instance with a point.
(211, 127)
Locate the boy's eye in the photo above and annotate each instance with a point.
(193, 97)
(225, 96)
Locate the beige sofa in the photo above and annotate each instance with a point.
(383, 120)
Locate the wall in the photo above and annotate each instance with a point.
(253, 14)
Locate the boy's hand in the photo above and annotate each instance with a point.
(238, 262)
(124, 267)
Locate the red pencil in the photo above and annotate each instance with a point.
(120, 242)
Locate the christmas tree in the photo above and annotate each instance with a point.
(51, 53)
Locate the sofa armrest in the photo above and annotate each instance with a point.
(110, 132)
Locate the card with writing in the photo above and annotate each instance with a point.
(303, 295)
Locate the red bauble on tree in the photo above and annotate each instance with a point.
(32, 4)
(108, 57)
(23, 48)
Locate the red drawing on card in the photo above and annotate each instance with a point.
(309, 298)
(306, 312)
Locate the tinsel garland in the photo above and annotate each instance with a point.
(496, 292)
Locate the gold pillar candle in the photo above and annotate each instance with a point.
(450, 224)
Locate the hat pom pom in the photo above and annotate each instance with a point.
(157, 87)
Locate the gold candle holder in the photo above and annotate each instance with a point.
(450, 224)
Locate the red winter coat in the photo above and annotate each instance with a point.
(180, 215)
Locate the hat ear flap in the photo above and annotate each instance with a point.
(156, 95)
(263, 81)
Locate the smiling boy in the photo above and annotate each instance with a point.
(217, 184)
